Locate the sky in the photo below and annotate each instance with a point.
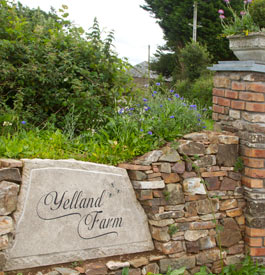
(134, 28)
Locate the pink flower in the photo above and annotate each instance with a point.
(227, 1)
(249, 1)
(220, 11)
(222, 16)
(242, 13)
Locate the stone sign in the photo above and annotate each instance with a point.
(71, 210)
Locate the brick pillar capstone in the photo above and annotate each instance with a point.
(239, 107)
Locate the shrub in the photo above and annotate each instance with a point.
(257, 11)
(195, 59)
(54, 69)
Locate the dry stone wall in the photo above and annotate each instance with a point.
(175, 186)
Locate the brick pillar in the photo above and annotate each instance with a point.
(239, 106)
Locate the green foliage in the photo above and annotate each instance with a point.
(125, 271)
(195, 59)
(54, 69)
(257, 11)
(239, 165)
(172, 229)
(238, 24)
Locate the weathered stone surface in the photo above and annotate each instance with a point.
(191, 209)
(10, 174)
(194, 235)
(228, 184)
(197, 137)
(2, 260)
(161, 223)
(179, 167)
(66, 271)
(211, 149)
(207, 257)
(136, 175)
(8, 197)
(152, 157)
(209, 217)
(234, 175)
(95, 269)
(160, 234)
(194, 186)
(6, 225)
(165, 168)
(235, 259)
(255, 208)
(148, 184)
(206, 161)
(87, 204)
(145, 195)
(170, 247)
(129, 166)
(192, 247)
(187, 261)
(191, 148)
(170, 155)
(187, 175)
(230, 235)
(236, 249)
(228, 204)
(188, 166)
(212, 183)
(137, 262)
(114, 265)
(204, 206)
(226, 139)
(152, 268)
(207, 242)
(234, 212)
(225, 150)
(3, 242)
(170, 178)
(176, 195)
(10, 163)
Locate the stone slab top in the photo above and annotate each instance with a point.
(245, 66)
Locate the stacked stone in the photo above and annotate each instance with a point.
(171, 190)
(10, 180)
(239, 106)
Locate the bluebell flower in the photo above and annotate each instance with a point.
(204, 109)
(182, 98)
(23, 122)
(184, 104)
(177, 95)
(203, 127)
(144, 99)
(155, 92)
(121, 111)
(199, 119)
(158, 84)
(149, 133)
(194, 107)
(171, 91)
(141, 130)
(161, 105)
(169, 99)
(131, 109)
(172, 116)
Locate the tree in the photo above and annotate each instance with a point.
(51, 70)
(175, 17)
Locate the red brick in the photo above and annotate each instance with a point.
(238, 86)
(255, 107)
(221, 82)
(218, 92)
(257, 251)
(218, 109)
(223, 101)
(254, 153)
(255, 232)
(255, 173)
(238, 104)
(256, 87)
(253, 241)
(215, 100)
(252, 183)
(251, 96)
(231, 94)
(255, 163)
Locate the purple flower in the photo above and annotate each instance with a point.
(184, 104)
(141, 130)
(147, 108)
(177, 95)
(249, 1)
(171, 91)
(149, 133)
(161, 105)
(203, 127)
(144, 99)
(153, 95)
(146, 85)
(172, 116)
(23, 122)
(131, 109)
(169, 99)
(155, 92)
(221, 11)
(194, 107)
(157, 84)
(182, 98)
